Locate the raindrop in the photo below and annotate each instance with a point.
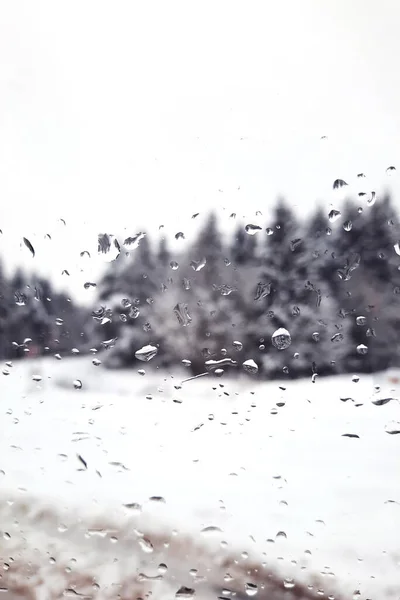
(251, 589)
(180, 235)
(252, 229)
(185, 592)
(393, 428)
(77, 384)
(198, 265)
(108, 247)
(96, 362)
(20, 298)
(334, 215)
(146, 545)
(397, 248)
(351, 435)
(211, 529)
(133, 242)
(89, 284)
(212, 364)
(347, 225)
(37, 378)
(134, 507)
(295, 243)
(174, 265)
(339, 183)
(146, 353)
(361, 320)
(281, 339)
(182, 314)
(195, 215)
(281, 534)
(315, 336)
(250, 366)
(288, 583)
(362, 349)
(134, 312)
(262, 290)
(390, 170)
(269, 231)
(237, 345)
(29, 246)
(371, 200)
(107, 344)
(360, 175)
(337, 337)
(381, 401)
(59, 321)
(186, 362)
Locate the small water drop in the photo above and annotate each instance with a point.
(269, 231)
(211, 529)
(397, 248)
(36, 378)
(337, 337)
(185, 592)
(108, 247)
(197, 265)
(339, 183)
(281, 339)
(361, 320)
(295, 243)
(77, 384)
(96, 362)
(252, 229)
(146, 545)
(250, 366)
(288, 583)
(146, 353)
(180, 235)
(362, 349)
(237, 345)
(174, 265)
(390, 170)
(262, 291)
(347, 225)
(334, 215)
(251, 589)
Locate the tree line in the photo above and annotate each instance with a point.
(331, 281)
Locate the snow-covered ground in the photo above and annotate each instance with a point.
(255, 479)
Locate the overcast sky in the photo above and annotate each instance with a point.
(127, 115)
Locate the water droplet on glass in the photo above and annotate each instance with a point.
(77, 384)
(295, 243)
(237, 345)
(29, 246)
(362, 349)
(186, 362)
(262, 290)
(134, 312)
(397, 248)
(334, 215)
(393, 428)
(361, 320)
(281, 534)
(339, 183)
(269, 231)
(288, 583)
(146, 353)
(36, 378)
(174, 265)
(251, 589)
(347, 225)
(20, 298)
(108, 247)
(197, 265)
(211, 529)
(107, 344)
(180, 235)
(185, 592)
(132, 242)
(337, 337)
(252, 229)
(146, 545)
(390, 170)
(250, 366)
(281, 339)
(96, 362)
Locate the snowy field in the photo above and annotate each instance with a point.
(136, 484)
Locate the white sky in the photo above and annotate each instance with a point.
(126, 115)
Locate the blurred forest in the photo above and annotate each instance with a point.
(332, 281)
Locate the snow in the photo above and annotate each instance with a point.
(248, 457)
